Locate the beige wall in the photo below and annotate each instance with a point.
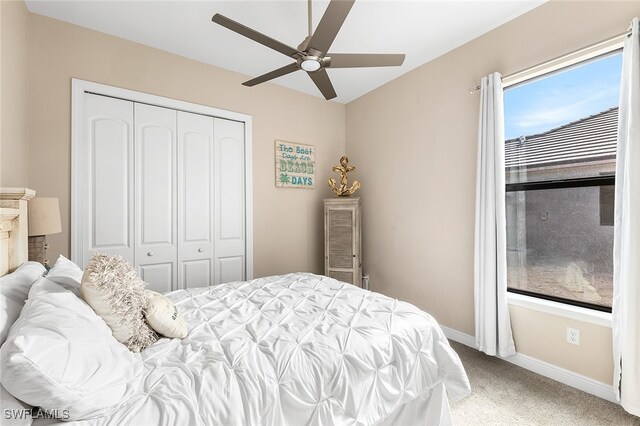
(13, 93)
(414, 142)
(543, 336)
(288, 227)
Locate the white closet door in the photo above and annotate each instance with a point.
(107, 178)
(156, 207)
(195, 200)
(230, 242)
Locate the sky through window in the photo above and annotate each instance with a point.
(570, 95)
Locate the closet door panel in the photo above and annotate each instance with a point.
(232, 182)
(195, 200)
(108, 135)
(230, 206)
(159, 276)
(156, 215)
(156, 189)
(231, 269)
(196, 273)
(110, 184)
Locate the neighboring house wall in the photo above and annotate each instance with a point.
(288, 225)
(558, 218)
(568, 253)
(414, 142)
(13, 89)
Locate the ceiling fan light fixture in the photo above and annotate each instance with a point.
(310, 64)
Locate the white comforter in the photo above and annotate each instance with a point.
(296, 349)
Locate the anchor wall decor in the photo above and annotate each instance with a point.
(344, 168)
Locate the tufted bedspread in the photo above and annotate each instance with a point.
(297, 349)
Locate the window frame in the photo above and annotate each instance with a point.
(572, 60)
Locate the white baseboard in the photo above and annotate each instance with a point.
(578, 381)
(459, 336)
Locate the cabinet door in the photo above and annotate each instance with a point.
(340, 244)
(156, 211)
(195, 200)
(230, 231)
(106, 194)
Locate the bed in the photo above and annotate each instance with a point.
(293, 349)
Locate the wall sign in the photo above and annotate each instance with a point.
(295, 165)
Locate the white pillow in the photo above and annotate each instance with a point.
(163, 316)
(14, 289)
(115, 292)
(14, 412)
(60, 355)
(66, 274)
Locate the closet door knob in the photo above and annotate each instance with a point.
(150, 254)
(200, 250)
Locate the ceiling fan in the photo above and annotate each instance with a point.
(312, 54)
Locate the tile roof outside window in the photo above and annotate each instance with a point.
(589, 139)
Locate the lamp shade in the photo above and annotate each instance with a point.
(44, 216)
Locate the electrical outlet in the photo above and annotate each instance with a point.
(365, 282)
(573, 336)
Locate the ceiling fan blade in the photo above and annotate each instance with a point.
(287, 69)
(330, 24)
(253, 35)
(353, 60)
(321, 79)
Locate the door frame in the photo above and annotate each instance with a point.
(80, 87)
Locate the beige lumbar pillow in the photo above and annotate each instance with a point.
(163, 316)
(112, 288)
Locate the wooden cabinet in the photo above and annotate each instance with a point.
(342, 240)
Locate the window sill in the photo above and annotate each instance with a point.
(568, 311)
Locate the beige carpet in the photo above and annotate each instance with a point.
(505, 394)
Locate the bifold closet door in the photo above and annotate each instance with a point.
(105, 179)
(164, 189)
(156, 196)
(230, 209)
(195, 200)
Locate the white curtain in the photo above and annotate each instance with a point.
(493, 327)
(626, 246)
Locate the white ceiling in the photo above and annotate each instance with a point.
(423, 30)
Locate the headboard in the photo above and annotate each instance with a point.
(14, 229)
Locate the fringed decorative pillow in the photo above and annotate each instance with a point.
(112, 288)
(163, 316)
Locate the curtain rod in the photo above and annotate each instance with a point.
(567, 59)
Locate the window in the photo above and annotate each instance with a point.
(560, 147)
